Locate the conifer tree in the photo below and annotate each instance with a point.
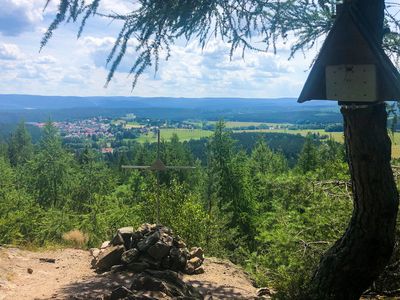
(51, 170)
(20, 147)
(221, 155)
(265, 161)
(308, 158)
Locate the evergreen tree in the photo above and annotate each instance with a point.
(20, 148)
(51, 170)
(94, 179)
(4, 150)
(308, 158)
(265, 161)
(175, 153)
(242, 206)
(221, 153)
(18, 214)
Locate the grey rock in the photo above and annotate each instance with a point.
(167, 239)
(146, 228)
(196, 262)
(151, 295)
(148, 241)
(153, 263)
(47, 260)
(138, 266)
(93, 262)
(130, 256)
(166, 262)
(197, 252)
(117, 240)
(159, 250)
(179, 243)
(109, 257)
(126, 234)
(120, 293)
(135, 239)
(105, 245)
(167, 282)
(199, 270)
(189, 269)
(94, 252)
(144, 282)
(166, 230)
(126, 230)
(118, 268)
(264, 292)
(178, 258)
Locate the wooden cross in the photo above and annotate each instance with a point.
(158, 166)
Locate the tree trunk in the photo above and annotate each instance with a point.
(357, 259)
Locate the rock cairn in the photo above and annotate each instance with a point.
(157, 285)
(150, 247)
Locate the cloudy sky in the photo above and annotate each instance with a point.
(68, 66)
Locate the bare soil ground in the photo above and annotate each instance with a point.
(24, 276)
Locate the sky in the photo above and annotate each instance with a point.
(76, 67)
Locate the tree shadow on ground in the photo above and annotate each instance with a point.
(208, 288)
(98, 286)
(95, 287)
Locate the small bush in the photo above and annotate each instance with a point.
(76, 238)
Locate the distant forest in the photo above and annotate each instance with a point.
(14, 108)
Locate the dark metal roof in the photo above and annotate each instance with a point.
(349, 42)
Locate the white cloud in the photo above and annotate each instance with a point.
(96, 42)
(117, 6)
(74, 79)
(10, 52)
(46, 60)
(70, 67)
(193, 72)
(18, 16)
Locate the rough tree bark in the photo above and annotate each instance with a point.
(356, 260)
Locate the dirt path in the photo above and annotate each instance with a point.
(70, 275)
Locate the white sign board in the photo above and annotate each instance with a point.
(351, 83)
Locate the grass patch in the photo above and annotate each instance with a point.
(133, 125)
(183, 135)
(337, 136)
(237, 124)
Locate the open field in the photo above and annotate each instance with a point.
(243, 124)
(183, 134)
(234, 124)
(337, 136)
(133, 125)
(188, 134)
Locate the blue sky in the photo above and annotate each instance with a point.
(68, 66)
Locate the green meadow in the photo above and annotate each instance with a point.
(183, 135)
(188, 134)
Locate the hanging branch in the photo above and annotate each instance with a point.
(257, 25)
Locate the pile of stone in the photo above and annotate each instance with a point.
(157, 285)
(150, 247)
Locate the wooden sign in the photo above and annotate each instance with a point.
(351, 66)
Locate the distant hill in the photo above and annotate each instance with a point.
(39, 108)
(17, 102)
